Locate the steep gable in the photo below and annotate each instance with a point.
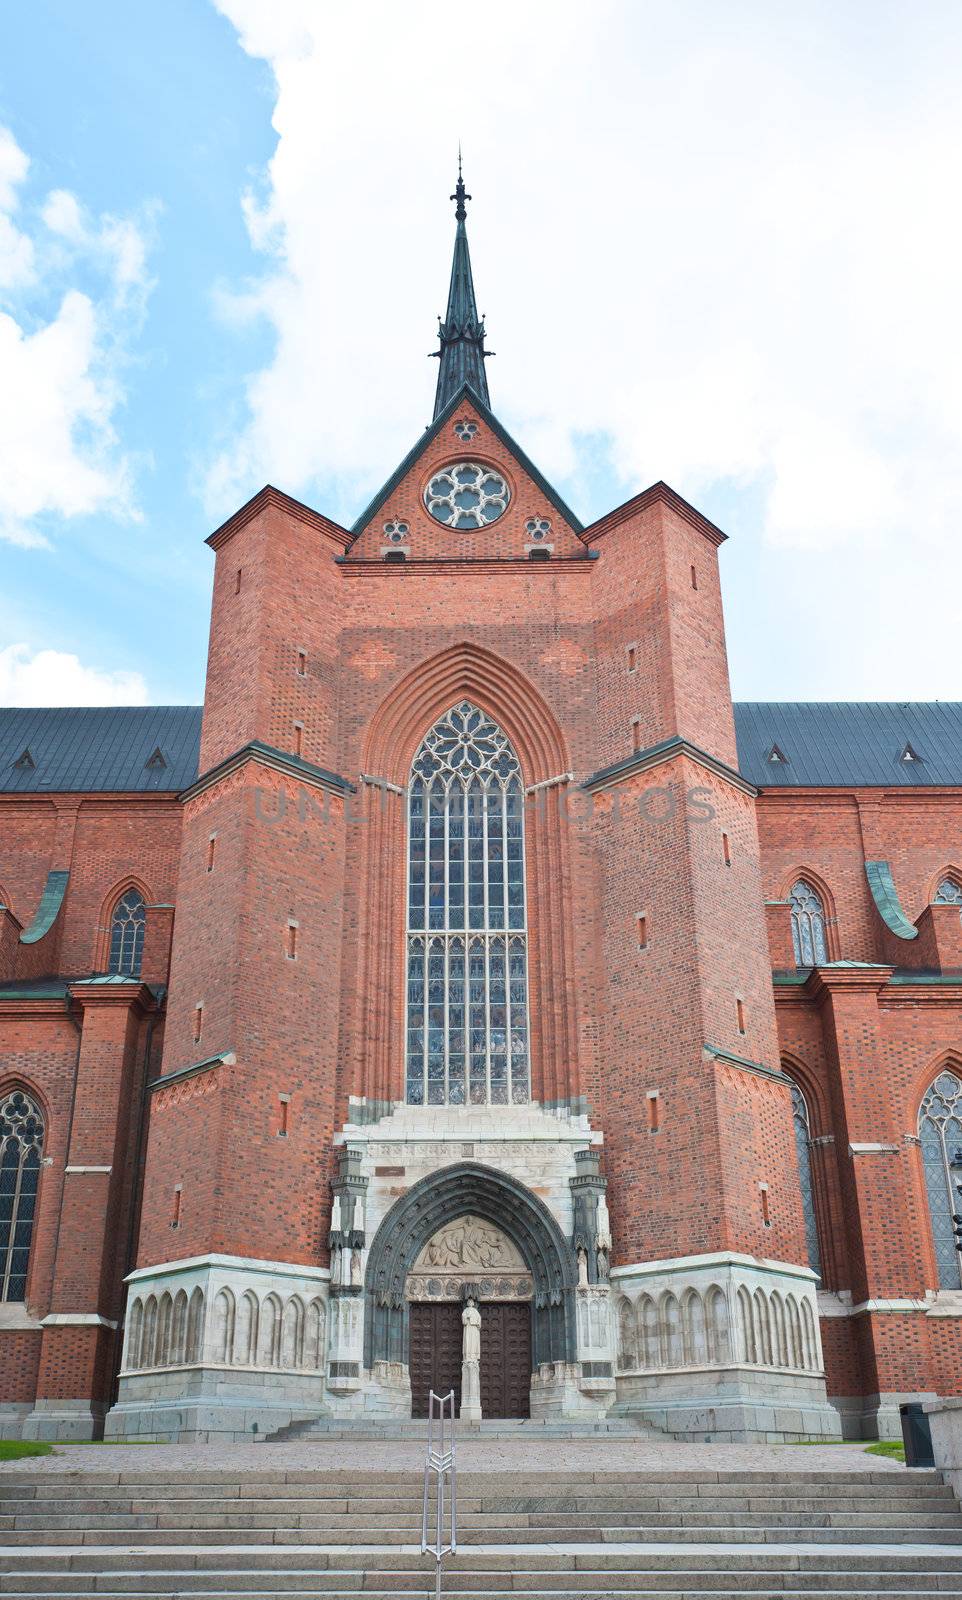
(466, 431)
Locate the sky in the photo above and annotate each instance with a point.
(714, 244)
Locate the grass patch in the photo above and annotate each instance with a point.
(887, 1447)
(14, 1449)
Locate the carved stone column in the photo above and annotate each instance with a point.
(348, 1246)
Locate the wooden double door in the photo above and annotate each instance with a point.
(435, 1356)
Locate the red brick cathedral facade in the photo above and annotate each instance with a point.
(470, 944)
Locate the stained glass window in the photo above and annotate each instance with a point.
(21, 1144)
(467, 967)
(808, 926)
(127, 934)
(803, 1145)
(940, 1131)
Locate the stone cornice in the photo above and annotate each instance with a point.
(269, 496)
(656, 755)
(266, 755)
(358, 565)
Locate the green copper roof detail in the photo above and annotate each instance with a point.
(462, 354)
(50, 902)
(886, 897)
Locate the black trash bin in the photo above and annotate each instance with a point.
(916, 1435)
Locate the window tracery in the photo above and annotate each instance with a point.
(940, 1135)
(808, 926)
(467, 1000)
(127, 927)
(21, 1149)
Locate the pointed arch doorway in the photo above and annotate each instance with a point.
(506, 1250)
(470, 1259)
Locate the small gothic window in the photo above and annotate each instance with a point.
(803, 1146)
(949, 893)
(940, 1133)
(396, 532)
(465, 429)
(537, 527)
(127, 934)
(808, 926)
(467, 967)
(21, 1144)
(467, 495)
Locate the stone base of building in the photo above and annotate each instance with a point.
(203, 1405)
(731, 1405)
(66, 1421)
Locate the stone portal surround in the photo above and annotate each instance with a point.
(537, 1148)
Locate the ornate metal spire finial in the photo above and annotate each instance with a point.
(461, 331)
(459, 194)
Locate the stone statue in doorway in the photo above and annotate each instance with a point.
(471, 1341)
(582, 1269)
(471, 1363)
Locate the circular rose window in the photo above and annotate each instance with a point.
(467, 495)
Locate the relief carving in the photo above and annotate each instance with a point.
(470, 1244)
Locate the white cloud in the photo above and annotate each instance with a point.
(55, 678)
(718, 234)
(61, 356)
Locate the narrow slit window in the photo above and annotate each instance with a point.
(175, 1215)
(292, 941)
(237, 580)
(642, 922)
(285, 1101)
(694, 578)
(766, 1215)
(298, 738)
(632, 658)
(636, 733)
(727, 849)
(198, 1023)
(740, 1014)
(654, 1111)
(211, 848)
(301, 664)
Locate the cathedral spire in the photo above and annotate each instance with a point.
(461, 333)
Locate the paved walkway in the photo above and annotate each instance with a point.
(474, 1455)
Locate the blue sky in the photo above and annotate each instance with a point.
(713, 245)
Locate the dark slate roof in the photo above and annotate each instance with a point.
(849, 744)
(839, 744)
(85, 749)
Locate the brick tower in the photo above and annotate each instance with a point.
(470, 993)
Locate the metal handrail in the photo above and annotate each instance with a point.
(440, 1461)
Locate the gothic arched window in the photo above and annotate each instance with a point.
(940, 1133)
(467, 968)
(21, 1143)
(127, 934)
(808, 926)
(803, 1146)
(949, 893)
